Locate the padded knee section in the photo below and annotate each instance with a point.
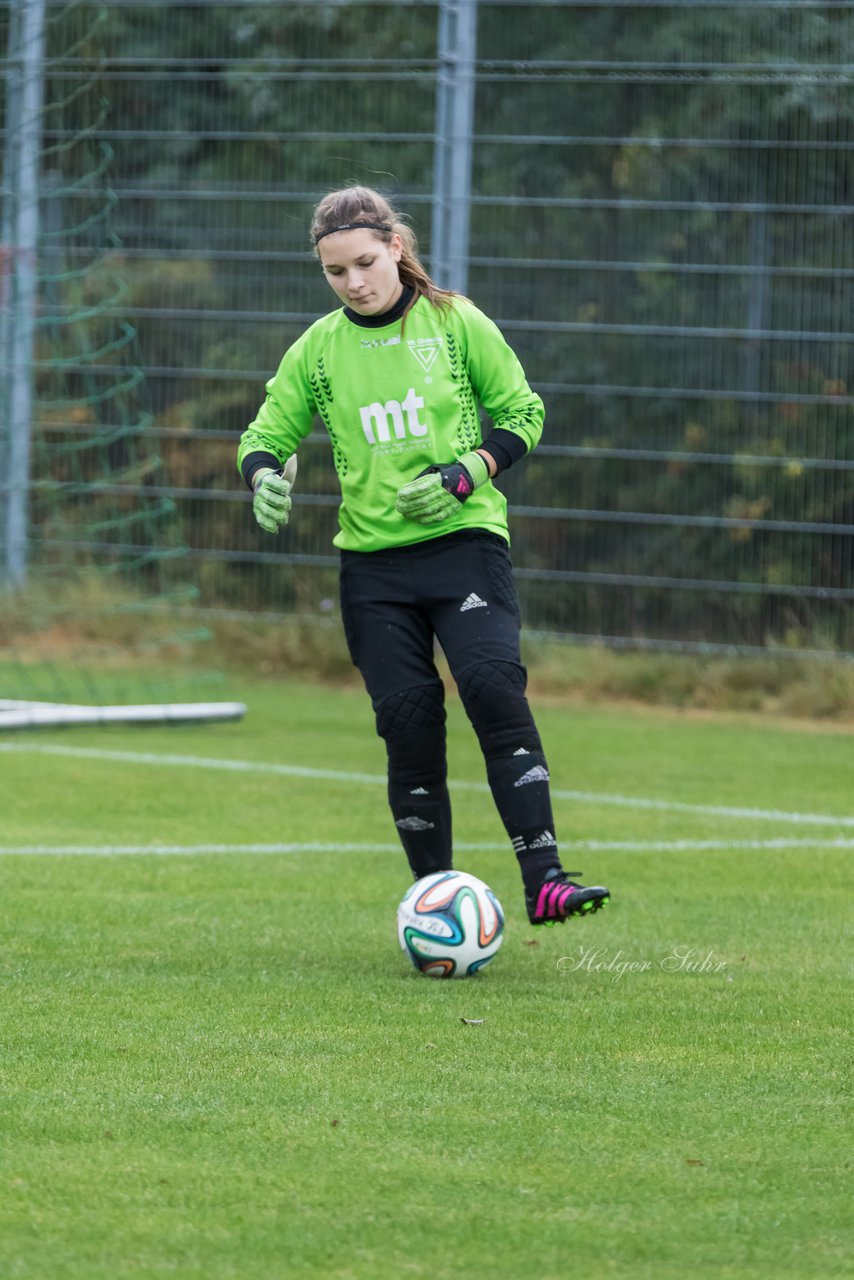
(420, 708)
(493, 694)
(413, 726)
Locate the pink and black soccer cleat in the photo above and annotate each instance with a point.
(558, 898)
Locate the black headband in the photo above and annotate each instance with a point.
(351, 226)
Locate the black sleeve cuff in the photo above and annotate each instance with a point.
(253, 461)
(505, 447)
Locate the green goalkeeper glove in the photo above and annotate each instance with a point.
(438, 492)
(271, 503)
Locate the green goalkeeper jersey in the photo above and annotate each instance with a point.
(395, 402)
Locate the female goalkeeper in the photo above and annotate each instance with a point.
(397, 375)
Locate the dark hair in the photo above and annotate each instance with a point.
(340, 209)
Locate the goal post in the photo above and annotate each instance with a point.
(52, 715)
(23, 120)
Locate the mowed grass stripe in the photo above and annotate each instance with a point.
(171, 760)
(462, 846)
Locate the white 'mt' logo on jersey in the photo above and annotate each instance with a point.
(399, 416)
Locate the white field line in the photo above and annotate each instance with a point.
(334, 775)
(577, 846)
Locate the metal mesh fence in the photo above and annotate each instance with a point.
(657, 211)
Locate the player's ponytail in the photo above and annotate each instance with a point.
(366, 207)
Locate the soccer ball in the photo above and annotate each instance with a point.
(450, 924)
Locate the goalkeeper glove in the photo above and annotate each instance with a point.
(438, 492)
(271, 502)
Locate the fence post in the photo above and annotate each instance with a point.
(25, 87)
(455, 82)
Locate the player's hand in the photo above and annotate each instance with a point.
(271, 503)
(438, 492)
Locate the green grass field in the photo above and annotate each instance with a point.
(217, 1063)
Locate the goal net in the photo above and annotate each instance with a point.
(95, 582)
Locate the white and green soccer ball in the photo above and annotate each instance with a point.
(450, 924)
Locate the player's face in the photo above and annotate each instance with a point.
(362, 269)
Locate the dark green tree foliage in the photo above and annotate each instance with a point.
(661, 225)
(705, 164)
